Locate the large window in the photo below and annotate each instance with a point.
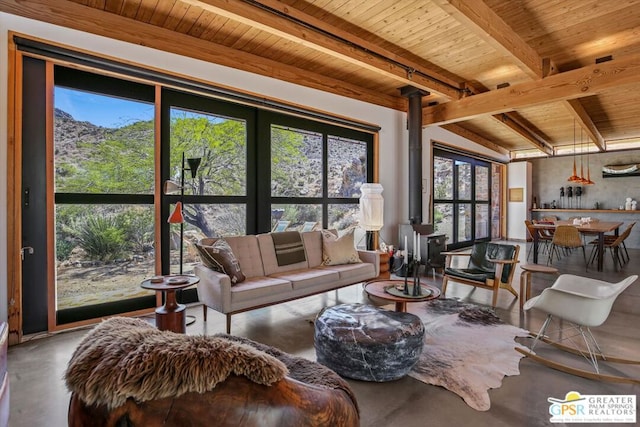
(315, 174)
(103, 157)
(257, 170)
(462, 196)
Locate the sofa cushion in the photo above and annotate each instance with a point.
(309, 277)
(353, 272)
(339, 250)
(289, 247)
(246, 250)
(313, 247)
(269, 259)
(220, 257)
(260, 289)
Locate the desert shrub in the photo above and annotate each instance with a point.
(137, 224)
(63, 249)
(102, 237)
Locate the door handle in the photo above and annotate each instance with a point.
(27, 249)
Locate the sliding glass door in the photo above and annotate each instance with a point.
(462, 198)
(103, 174)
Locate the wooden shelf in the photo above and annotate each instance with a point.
(587, 210)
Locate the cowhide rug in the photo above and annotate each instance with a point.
(468, 350)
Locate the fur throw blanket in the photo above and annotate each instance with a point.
(126, 357)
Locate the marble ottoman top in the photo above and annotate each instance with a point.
(348, 322)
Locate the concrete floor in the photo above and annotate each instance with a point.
(39, 397)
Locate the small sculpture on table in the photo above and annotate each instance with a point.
(412, 263)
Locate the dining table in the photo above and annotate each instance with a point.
(590, 227)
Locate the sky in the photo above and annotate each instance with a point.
(101, 110)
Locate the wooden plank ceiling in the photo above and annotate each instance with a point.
(519, 74)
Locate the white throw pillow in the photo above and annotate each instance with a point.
(339, 250)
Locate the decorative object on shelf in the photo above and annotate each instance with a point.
(534, 205)
(371, 211)
(579, 197)
(627, 205)
(618, 171)
(570, 197)
(562, 206)
(633, 205)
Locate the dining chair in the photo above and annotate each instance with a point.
(567, 238)
(543, 239)
(615, 247)
(611, 238)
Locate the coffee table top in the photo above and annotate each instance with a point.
(170, 282)
(378, 288)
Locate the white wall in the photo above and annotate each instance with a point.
(519, 175)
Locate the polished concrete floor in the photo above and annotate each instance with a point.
(39, 397)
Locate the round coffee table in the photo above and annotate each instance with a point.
(378, 288)
(171, 316)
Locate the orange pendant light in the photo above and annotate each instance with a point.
(574, 177)
(176, 216)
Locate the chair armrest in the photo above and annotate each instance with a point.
(504, 261)
(371, 257)
(456, 253)
(449, 256)
(214, 288)
(573, 307)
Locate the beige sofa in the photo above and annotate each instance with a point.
(268, 284)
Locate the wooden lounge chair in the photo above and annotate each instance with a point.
(491, 266)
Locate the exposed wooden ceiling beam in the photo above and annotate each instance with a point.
(474, 137)
(515, 125)
(586, 81)
(513, 121)
(478, 17)
(576, 109)
(484, 22)
(423, 66)
(412, 75)
(72, 15)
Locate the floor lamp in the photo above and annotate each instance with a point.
(371, 212)
(170, 187)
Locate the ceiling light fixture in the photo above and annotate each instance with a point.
(574, 177)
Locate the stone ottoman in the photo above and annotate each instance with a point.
(367, 343)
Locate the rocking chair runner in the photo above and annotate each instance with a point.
(583, 303)
(491, 266)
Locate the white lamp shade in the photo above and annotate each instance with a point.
(371, 207)
(171, 187)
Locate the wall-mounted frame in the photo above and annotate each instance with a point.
(516, 194)
(617, 171)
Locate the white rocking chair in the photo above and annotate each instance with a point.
(583, 303)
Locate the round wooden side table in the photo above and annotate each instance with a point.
(385, 272)
(378, 288)
(171, 315)
(525, 279)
